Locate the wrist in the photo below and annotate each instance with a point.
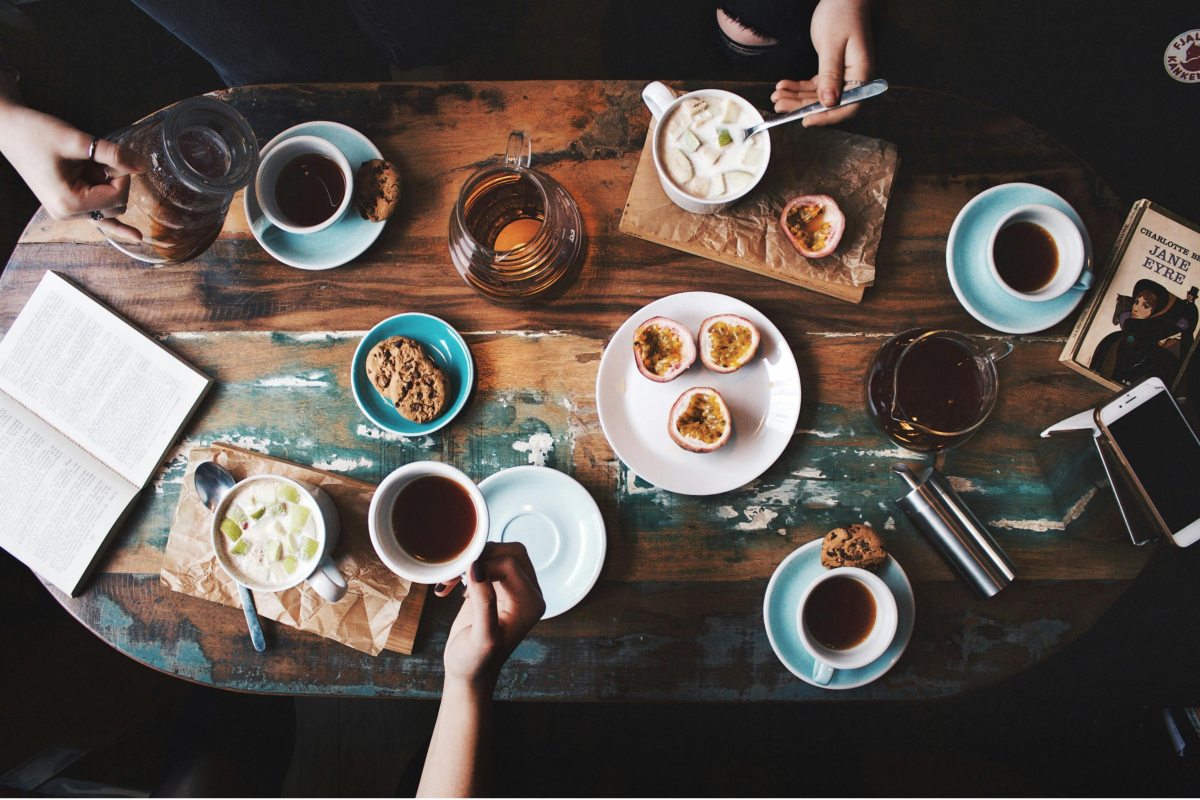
(474, 690)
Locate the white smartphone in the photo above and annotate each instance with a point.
(1161, 450)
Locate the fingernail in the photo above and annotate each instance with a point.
(828, 97)
(478, 572)
(439, 587)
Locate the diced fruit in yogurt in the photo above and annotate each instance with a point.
(289, 543)
(679, 167)
(256, 513)
(752, 157)
(240, 548)
(276, 509)
(288, 493)
(289, 564)
(678, 124)
(689, 141)
(717, 187)
(724, 138)
(297, 516)
(309, 546)
(699, 187)
(236, 514)
(273, 549)
(258, 572)
(231, 529)
(732, 112)
(737, 181)
(695, 105)
(279, 529)
(702, 117)
(710, 153)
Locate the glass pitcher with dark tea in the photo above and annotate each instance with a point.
(514, 232)
(201, 152)
(930, 390)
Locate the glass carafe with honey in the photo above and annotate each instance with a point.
(514, 232)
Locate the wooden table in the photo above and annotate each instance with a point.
(677, 613)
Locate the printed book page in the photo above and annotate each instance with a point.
(100, 381)
(59, 504)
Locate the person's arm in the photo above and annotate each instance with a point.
(841, 35)
(503, 602)
(52, 158)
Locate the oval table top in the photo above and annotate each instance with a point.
(677, 612)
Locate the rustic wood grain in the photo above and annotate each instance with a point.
(677, 612)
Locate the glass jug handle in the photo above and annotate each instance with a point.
(520, 149)
(1000, 351)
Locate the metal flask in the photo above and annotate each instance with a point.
(959, 537)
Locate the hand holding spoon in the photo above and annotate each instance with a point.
(213, 482)
(855, 94)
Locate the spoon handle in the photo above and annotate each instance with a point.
(256, 634)
(850, 96)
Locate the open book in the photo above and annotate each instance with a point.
(89, 408)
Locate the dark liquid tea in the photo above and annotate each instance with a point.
(309, 189)
(840, 613)
(433, 519)
(1026, 256)
(940, 387)
(505, 212)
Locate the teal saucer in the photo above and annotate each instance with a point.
(343, 241)
(966, 261)
(558, 522)
(441, 343)
(782, 605)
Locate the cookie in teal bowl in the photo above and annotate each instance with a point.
(441, 343)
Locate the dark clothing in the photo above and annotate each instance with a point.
(320, 41)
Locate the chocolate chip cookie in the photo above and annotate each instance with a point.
(376, 189)
(852, 546)
(408, 379)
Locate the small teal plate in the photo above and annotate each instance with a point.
(782, 605)
(343, 241)
(441, 343)
(966, 261)
(558, 522)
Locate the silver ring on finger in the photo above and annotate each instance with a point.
(92, 149)
(96, 215)
(854, 83)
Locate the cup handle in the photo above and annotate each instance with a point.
(261, 226)
(1085, 280)
(658, 98)
(1001, 350)
(822, 673)
(327, 581)
(520, 149)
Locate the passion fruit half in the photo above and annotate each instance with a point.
(813, 223)
(700, 420)
(727, 342)
(663, 349)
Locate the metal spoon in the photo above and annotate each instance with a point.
(213, 482)
(855, 94)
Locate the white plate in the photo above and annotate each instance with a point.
(763, 398)
(558, 522)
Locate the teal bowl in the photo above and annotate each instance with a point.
(441, 343)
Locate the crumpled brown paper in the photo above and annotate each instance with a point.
(363, 619)
(856, 171)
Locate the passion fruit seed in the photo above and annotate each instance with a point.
(661, 348)
(728, 343)
(702, 420)
(804, 223)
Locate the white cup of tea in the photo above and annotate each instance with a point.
(1036, 253)
(390, 544)
(846, 627)
(278, 163)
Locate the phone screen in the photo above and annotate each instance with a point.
(1162, 451)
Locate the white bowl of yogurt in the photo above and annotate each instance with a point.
(271, 533)
(703, 163)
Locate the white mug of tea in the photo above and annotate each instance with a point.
(303, 186)
(1036, 253)
(428, 522)
(847, 619)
